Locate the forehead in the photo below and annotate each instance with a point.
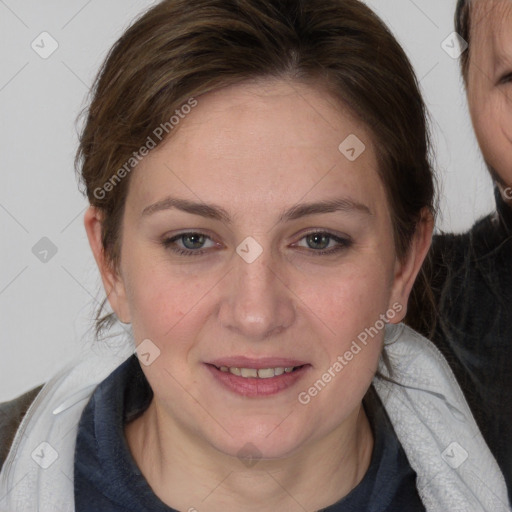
(491, 18)
(273, 116)
(491, 33)
(276, 140)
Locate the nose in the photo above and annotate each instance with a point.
(257, 304)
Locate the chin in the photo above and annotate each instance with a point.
(253, 445)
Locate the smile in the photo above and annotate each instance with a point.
(257, 382)
(261, 373)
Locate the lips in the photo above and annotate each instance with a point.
(261, 373)
(259, 363)
(257, 377)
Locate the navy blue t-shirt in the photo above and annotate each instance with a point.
(107, 478)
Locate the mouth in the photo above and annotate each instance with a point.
(266, 380)
(258, 373)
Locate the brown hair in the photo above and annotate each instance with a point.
(180, 49)
(463, 28)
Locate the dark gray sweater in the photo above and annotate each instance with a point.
(472, 284)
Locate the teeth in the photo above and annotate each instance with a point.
(249, 372)
(262, 373)
(266, 373)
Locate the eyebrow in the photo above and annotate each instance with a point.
(202, 209)
(335, 205)
(215, 212)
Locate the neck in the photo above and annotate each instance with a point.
(186, 473)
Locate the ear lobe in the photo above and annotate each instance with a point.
(407, 270)
(111, 278)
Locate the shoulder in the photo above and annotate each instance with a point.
(11, 415)
(485, 246)
(485, 229)
(485, 236)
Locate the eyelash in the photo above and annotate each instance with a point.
(343, 243)
(169, 243)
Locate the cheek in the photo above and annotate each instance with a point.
(348, 303)
(352, 312)
(492, 119)
(482, 109)
(507, 116)
(163, 302)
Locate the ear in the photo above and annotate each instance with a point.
(112, 279)
(407, 270)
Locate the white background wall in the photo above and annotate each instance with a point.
(46, 308)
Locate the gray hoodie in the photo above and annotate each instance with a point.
(455, 470)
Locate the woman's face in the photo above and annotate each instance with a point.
(250, 240)
(489, 84)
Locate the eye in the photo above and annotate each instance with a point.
(507, 78)
(322, 242)
(189, 244)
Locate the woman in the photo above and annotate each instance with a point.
(261, 204)
(472, 278)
